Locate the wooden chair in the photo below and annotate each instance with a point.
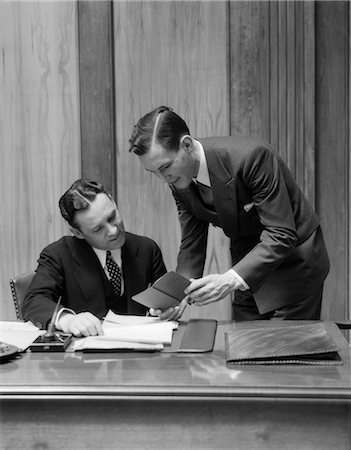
(19, 286)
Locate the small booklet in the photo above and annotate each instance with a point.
(167, 291)
(281, 343)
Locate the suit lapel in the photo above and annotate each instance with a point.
(224, 191)
(88, 272)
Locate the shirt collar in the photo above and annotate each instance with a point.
(101, 254)
(203, 176)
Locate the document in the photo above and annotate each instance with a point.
(167, 291)
(122, 319)
(130, 335)
(19, 334)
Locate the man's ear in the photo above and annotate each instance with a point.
(186, 143)
(77, 233)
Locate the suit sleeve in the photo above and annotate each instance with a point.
(194, 232)
(262, 174)
(45, 289)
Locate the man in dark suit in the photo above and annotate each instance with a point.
(241, 185)
(75, 268)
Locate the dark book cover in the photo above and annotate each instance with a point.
(281, 343)
(167, 291)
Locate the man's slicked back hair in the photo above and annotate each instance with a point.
(161, 126)
(78, 198)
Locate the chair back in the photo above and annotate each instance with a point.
(19, 286)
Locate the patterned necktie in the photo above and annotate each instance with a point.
(115, 273)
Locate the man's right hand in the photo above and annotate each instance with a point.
(81, 324)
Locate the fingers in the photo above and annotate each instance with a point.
(85, 324)
(170, 313)
(195, 285)
(155, 312)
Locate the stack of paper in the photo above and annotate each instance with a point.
(19, 334)
(129, 333)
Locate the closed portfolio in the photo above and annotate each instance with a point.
(281, 343)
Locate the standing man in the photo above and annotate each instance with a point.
(99, 268)
(240, 184)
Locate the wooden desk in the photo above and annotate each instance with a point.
(173, 401)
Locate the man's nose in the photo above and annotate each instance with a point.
(112, 228)
(164, 177)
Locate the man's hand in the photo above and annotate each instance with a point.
(173, 313)
(212, 288)
(82, 324)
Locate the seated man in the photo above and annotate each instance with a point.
(77, 268)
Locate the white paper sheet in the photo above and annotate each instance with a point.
(130, 332)
(20, 334)
(104, 343)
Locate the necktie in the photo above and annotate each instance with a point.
(205, 193)
(115, 273)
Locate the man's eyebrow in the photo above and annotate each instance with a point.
(160, 167)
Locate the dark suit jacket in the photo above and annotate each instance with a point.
(70, 267)
(277, 246)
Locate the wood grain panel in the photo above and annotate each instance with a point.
(172, 53)
(292, 89)
(96, 91)
(309, 81)
(332, 121)
(249, 68)
(39, 136)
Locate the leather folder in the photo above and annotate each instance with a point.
(199, 336)
(308, 343)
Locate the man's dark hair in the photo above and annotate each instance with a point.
(162, 126)
(78, 198)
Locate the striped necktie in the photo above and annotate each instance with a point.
(114, 272)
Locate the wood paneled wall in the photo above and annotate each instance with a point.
(333, 145)
(273, 80)
(174, 54)
(97, 106)
(39, 130)
(279, 69)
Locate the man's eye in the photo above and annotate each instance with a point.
(164, 168)
(97, 230)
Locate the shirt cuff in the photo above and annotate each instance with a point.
(245, 286)
(59, 315)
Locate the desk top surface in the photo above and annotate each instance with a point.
(170, 375)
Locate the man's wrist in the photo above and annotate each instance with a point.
(64, 319)
(238, 281)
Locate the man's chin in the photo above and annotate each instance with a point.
(117, 243)
(180, 184)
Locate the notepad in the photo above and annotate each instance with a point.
(166, 292)
(308, 343)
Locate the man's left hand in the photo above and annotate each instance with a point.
(173, 313)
